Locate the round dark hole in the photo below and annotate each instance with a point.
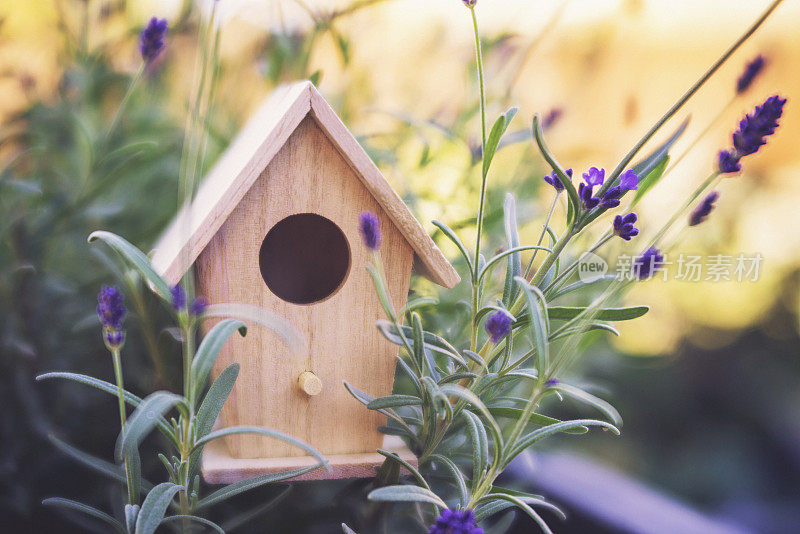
(304, 258)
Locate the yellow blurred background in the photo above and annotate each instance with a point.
(612, 66)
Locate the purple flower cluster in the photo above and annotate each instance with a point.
(470, 3)
(751, 71)
(624, 226)
(701, 212)
(498, 325)
(551, 118)
(151, 41)
(752, 133)
(552, 382)
(111, 312)
(455, 522)
(553, 180)
(196, 308)
(648, 263)
(628, 181)
(370, 227)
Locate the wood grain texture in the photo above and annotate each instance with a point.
(219, 467)
(308, 175)
(250, 153)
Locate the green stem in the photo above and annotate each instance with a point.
(686, 96)
(124, 103)
(605, 238)
(544, 231)
(482, 83)
(541, 272)
(115, 358)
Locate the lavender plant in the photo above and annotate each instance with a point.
(184, 420)
(491, 386)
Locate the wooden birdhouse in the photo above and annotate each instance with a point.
(275, 225)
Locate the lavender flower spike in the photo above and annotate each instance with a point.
(752, 133)
(751, 72)
(701, 212)
(456, 522)
(648, 263)
(110, 307)
(594, 177)
(198, 306)
(728, 162)
(553, 180)
(178, 298)
(151, 41)
(498, 325)
(370, 227)
(470, 3)
(623, 226)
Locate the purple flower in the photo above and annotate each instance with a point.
(498, 325)
(110, 307)
(470, 3)
(752, 133)
(648, 263)
(749, 75)
(455, 522)
(198, 306)
(370, 227)
(585, 193)
(178, 298)
(151, 41)
(595, 176)
(552, 382)
(629, 180)
(553, 180)
(623, 226)
(728, 162)
(114, 338)
(700, 213)
(551, 118)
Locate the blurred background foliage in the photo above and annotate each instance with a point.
(709, 380)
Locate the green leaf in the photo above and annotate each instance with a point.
(236, 488)
(410, 468)
(254, 314)
(514, 264)
(263, 432)
(651, 179)
(111, 470)
(537, 435)
(136, 259)
(393, 401)
(85, 509)
(578, 285)
(418, 344)
(210, 409)
(458, 476)
(480, 445)
(506, 253)
(451, 235)
(654, 159)
(143, 420)
(498, 129)
(539, 324)
(587, 398)
(582, 329)
(455, 390)
(522, 505)
(535, 418)
(194, 518)
(111, 389)
(406, 494)
(572, 193)
(383, 293)
(155, 506)
(417, 303)
(210, 348)
(603, 314)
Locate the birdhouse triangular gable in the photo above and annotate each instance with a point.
(252, 151)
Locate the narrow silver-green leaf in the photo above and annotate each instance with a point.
(85, 509)
(210, 348)
(539, 324)
(143, 420)
(514, 263)
(194, 518)
(406, 494)
(603, 314)
(236, 488)
(537, 435)
(458, 477)
(393, 401)
(254, 314)
(394, 457)
(498, 129)
(587, 398)
(538, 135)
(451, 235)
(155, 506)
(480, 445)
(136, 259)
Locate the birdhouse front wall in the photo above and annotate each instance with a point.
(307, 176)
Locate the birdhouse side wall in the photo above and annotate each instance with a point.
(308, 175)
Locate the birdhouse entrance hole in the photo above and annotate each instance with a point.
(304, 259)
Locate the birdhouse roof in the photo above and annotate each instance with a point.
(245, 160)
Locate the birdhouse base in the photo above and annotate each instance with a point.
(220, 468)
